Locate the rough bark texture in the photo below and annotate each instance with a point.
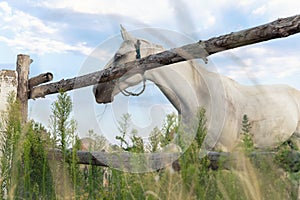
(277, 29)
(121, 160)
(150, 161)
(42, 78)
(23, 64)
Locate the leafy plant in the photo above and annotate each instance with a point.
(136, 143)
(63, 129)
(37, 179)
(247, 137)
(25, 170)
(11, 126)
(169, 129)
(154, 140)
(288, 158)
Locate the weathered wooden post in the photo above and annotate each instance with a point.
(23, 63)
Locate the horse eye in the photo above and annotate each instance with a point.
(118, 56)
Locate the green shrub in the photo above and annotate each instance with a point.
(10, 137)
(25, 171)
(247, 136)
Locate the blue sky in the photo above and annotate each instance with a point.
(61, 35)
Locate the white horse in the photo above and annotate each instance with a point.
(273, 111)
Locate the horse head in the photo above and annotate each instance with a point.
(131, 49)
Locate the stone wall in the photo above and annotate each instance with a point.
(8, 83)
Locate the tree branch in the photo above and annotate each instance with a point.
(277, 29)
(37, 80)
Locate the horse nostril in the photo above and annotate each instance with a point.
(103, 92)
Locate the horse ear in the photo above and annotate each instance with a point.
(125, 34)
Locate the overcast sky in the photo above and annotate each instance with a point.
(61, 35)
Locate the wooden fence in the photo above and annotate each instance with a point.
(32, 88)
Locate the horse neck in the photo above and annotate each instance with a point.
(189, 86)
(183, 84)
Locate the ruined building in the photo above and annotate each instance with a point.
(8, 83)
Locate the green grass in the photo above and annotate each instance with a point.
(26, 172)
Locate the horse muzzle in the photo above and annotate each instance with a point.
(103, 92)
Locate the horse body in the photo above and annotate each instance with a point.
(273, 111)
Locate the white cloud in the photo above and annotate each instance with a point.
(205, 14)
(4, 6)
(144, 11)
(155, 12)
(34, 44)
(245, 3)
(30, 34)
(277, 8)
(283, 67)
(260, 10)
(18, 21)
(262, 64)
